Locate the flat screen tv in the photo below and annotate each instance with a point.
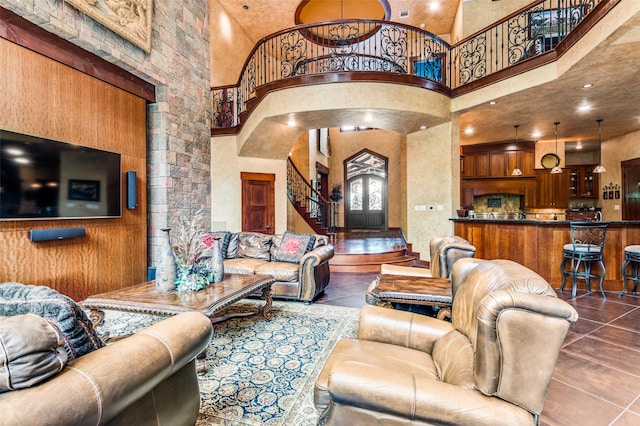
(45, 179)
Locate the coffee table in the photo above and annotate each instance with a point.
(389, 290)
(145, 299)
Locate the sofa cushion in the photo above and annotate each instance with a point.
(31, 350)
(254, 245)
(242, 265)
(80, 338)
(294, 246)
(280, 271)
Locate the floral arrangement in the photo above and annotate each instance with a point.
(192, 248)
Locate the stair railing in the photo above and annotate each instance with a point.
(388, 49)
(320, 213)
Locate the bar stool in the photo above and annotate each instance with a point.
(587, 243)
(631, 258)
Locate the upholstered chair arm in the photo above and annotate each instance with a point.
(516, 328)
(355, 387)
(314, 272)
(155, 365)
(401, 328)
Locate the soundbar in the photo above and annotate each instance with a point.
(56, 234)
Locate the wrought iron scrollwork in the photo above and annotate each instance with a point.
(293, 50)
(360, 45)
(472, 61)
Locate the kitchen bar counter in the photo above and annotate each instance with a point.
(537, 244)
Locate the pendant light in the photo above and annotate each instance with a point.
(599, 168)
(557, 168)
(516, 171)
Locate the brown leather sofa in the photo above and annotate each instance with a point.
(255, 253)
(148, 378)
(491, 365)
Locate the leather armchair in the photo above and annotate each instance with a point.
(491, 365)
(148, 378)
(445, 250)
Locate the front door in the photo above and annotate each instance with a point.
(631, 189)
(366, 191)
(366, 206)
(258, 209)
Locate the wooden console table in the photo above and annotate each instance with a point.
(389, 290)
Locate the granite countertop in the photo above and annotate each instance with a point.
(541, 222)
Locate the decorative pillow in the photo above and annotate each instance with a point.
(254, 245)
(80, 338)
(294, 246)
(31, 350)
(224, 236)
(232, 248)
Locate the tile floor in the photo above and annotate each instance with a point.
(597, 377)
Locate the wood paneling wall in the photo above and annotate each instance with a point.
(44, 98)
(539, 247)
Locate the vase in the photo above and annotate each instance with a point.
(217, 262)
(166, 267)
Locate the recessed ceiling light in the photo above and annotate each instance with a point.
(434, 5)
(291, 122)
(347, 128)
(536, 134)
(584, 108)
(468, 131)
(586, 86)
(492, 103)
(423, 127)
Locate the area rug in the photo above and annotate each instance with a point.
(261, 372)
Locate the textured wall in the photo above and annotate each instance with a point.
(178, 139)
(433, 164)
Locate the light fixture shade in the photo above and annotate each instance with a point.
(516, 172)
(556, 170)
(599, 168)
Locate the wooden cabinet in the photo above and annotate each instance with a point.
(552, 190)
(497, 160)
(583, 183)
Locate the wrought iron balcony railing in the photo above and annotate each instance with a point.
(383, 48)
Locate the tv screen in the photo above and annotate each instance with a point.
(44, 179)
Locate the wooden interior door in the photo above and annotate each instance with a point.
(631, 189)
(258, 209)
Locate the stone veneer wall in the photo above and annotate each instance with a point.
(178, 124)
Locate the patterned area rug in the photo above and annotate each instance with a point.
(261, 372)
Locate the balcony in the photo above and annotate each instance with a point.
(358, 50)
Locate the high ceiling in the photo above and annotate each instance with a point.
(611, 67)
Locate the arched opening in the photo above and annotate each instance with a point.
(366, 191)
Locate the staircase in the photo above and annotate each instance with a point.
(317, 211)
(364, 252)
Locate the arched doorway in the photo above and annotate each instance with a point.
(366, 191)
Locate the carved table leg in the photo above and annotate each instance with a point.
(201, 362)
(97, 319)
(266, 309)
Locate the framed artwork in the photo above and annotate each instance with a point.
(605, 195)
(616, 194)
(611, 195)
(131, 19)
(84, 190)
